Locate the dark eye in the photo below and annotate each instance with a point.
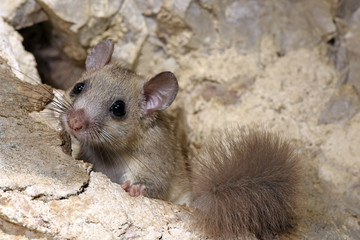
(78, 88)
(118, 108)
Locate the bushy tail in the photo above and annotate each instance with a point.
(245, 184)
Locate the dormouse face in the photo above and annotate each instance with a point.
(109, 104)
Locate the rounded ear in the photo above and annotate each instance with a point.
(160, 91)
(100, 55)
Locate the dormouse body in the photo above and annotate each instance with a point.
(244, 182)
(115, 115)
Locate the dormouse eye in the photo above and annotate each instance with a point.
(118, 108)
(78, 88)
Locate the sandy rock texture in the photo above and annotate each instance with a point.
(46, 194)
(288, 66)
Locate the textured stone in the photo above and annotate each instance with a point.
(38, 170)
(347, 58)
(243, 23)
(266, 64)
(22, 63)
(44, 193)
(76, 15)
(136, 33)
(93, 21)
(286, 95)
(178, 7)
(202, 25)
(342, 106)
(149, 7)
(22, 13)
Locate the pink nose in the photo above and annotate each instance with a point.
(77, 120)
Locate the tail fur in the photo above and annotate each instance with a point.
(245, 185)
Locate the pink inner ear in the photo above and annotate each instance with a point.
(160, 91)
(152, 102)
(100, 55)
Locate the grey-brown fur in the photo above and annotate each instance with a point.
(136, 151)
(243, 182)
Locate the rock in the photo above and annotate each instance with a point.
(136, 33)
(22, 13)
(23, 163)
(91, 22)
(178, 7)
(74, 12)
(347, 57)
(149, 7)
(22, 63)
(342, 106)
(243, 23)
(44, 193)
(202, 25)
(257, 63)
(286, 95)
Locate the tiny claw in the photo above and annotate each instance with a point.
(143, 190)
(126, 186)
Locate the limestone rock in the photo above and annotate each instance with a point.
(259, 63)
(22, 63)
(347, 57)
(45, 193)
(93, 21)
(149, 7)
(343, 105)
(22, 13)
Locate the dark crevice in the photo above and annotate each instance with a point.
(54, 67)
(47, 198)
(80, 191)
(331, 41)
(12, 189)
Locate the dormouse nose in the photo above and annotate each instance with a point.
(77, 120)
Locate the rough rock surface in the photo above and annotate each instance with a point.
(288, 66)
(22, 63)
(22, 13)
(46, 194)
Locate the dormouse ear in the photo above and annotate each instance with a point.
(160, 91)
(100, 55)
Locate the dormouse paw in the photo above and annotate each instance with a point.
(134, 190)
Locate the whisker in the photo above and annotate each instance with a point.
(63, 101)
(109, 147)
(110, 141)
(123, 148)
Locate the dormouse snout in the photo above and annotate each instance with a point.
(77, 120)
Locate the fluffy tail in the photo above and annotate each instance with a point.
(245, 184)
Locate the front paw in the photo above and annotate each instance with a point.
(134, 190)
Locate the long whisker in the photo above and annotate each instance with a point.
(63, 102)
(114, 141)
(103, 140)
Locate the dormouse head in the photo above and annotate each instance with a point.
(110, 103)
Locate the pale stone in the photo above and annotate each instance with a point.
(46, 192)
(22, 63)
(243, 23)
(342, 106)
(149, 7)
(179, 7)
(283, 83)
(130, 47)
(22, 13)
(74, 12)
(202, 24)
